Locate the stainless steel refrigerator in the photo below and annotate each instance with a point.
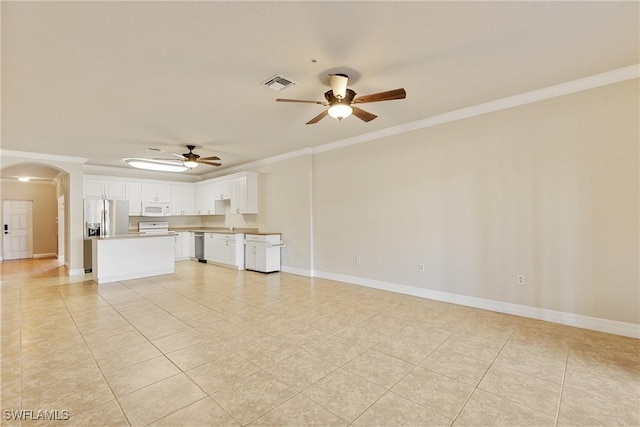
(103, 218)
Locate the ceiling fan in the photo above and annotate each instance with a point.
(192, 160)
(341, 101)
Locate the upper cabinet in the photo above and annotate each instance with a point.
(236, 193)
(134, 196)
(156, 192)
(244, 194)
(104, 189)
(206, 201)
(182, 200)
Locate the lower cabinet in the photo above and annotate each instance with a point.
(185, 245)
(262, 252)
(226, 249)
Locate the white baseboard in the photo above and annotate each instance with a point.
(296, 271)
(75, 271)
(570, 319)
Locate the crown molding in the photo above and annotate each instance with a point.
(591, 82)
(586, 83)
(41, 156)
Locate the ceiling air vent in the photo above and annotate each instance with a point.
(154, 150)
(278, 82)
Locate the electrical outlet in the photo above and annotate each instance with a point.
(358, 260)
(520, 279)
(421, 267)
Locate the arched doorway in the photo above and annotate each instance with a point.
(33, 214)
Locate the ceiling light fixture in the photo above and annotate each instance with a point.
(190, 164)
(24, 179)
(339, 111)
(155, 165)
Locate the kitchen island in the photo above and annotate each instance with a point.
(133, 256)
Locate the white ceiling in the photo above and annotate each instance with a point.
(106, 80)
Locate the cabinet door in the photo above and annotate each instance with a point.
(149, 192)
(261, 259)
(115, 190)
(250, 256)
(187, 200)
(163, 192)
(230, 257)
(134, 196)
(176, 200)
(189, 244)
(178, 248)
(239, 195)
(93, 189)
(226, 189)
(244, 198)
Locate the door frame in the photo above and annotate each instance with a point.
(61, 230)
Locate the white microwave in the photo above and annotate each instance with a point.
(156, 209)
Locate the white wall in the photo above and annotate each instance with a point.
(549, 190)
(285, 207)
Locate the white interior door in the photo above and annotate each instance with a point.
(17, 230)
(60, 220)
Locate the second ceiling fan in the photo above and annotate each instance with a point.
(341, 100)
(192, 160)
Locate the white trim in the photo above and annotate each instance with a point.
(75, 271)
(53, 255)
(41, 156)
(570, 319)
(296, 271)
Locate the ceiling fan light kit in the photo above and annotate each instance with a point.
(339, 111)
(340, 100)
(191, 164)
(155, 165)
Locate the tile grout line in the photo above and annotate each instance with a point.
(564, 375)
(480, 380)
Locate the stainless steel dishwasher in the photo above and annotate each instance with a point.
(199, 249)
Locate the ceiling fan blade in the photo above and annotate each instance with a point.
(317, 118)
(181, 156)
(338, 83)
(382, 96)
(210, 158)
(363, 115)
(209, 163)
(301, 100)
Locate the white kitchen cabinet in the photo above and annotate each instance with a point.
(156, 192)
(185, 245)
(262, 252)
(206, 202)
(244, 194)
(182, 200)
(104, 189)
(220, 189)
(226, 249)
(134, 196)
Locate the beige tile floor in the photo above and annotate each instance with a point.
(209, 346)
